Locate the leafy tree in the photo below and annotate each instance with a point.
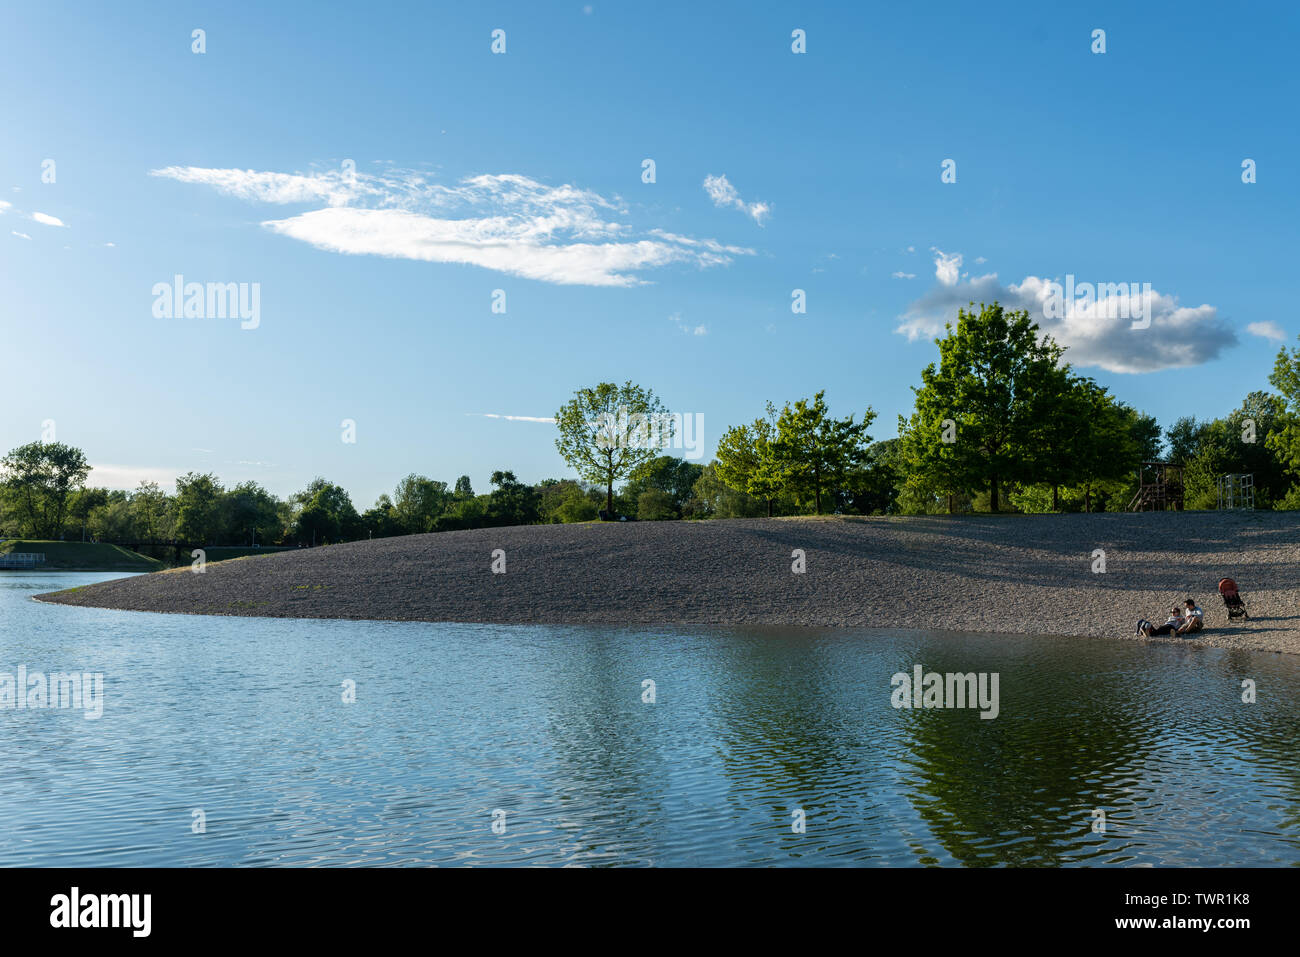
(511, 501)
(1107, 450)
(818, 453)
(668, 474)
(418, 501)
(578, 507)
(251, 514)
(85, 501)
(607, 431)
(325, 514)
(463, 489)
(379, 520)
(655, 505)
(149, 508)
(873, 490)
(465, 513)
(198, 507)
(713, 498)
(39, 481)
(993, 378)
(747, 460)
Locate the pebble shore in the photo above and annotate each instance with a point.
(1027, 574)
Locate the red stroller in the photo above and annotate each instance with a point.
(1232, 600)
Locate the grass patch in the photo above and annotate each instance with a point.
(83, 556)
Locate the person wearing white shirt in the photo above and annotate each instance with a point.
(1193, 619)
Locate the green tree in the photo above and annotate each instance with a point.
(84, 502)
(607, 431)
(668, 474)
(816, 452)
(993, 378)
(379, 521)
(149, 508)
(39, 480)
(511, 502)
(325, 514)
(747, 461)
(713, 498)
(198, 508)
(418, 501)
(873, 490)
(655, 505)
(251, 514)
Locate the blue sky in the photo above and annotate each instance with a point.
(522, 172)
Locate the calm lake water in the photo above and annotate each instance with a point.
(244, 720)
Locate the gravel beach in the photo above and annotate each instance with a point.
(1027, 574)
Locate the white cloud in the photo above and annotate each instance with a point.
(946, 267)
(723, 193)
(676, 317)
(1266, 330)
(4, 205)
(513, 418)
(903, 275)
(507, 223)
(19, 235)
(1178, 336)
(47, 219)
(110, 244)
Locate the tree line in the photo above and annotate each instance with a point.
(1000, 422)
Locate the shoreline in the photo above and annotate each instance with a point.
(1005, 574)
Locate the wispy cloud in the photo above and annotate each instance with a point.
(1179, 336)
(48, 220)
(686, 327)
(903, 275)
(513, 418)
(508, 223)
(19, 235)
(723, 193)
(1267, 330)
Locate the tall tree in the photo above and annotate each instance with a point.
(198, 507)
(325, 514)
(993, 375)
(418, 501)
(668, 474)
(747, 460)
(40, 479)
(512, 502)
(149, 510)
(607, 431)
(817, 452)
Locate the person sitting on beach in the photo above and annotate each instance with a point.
(1171, 625)
(1193, 621)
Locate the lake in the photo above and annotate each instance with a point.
(227, 741)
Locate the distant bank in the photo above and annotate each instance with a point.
(80, 556)
(1083, 575)
(101, 557)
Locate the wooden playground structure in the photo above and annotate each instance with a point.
(1160, 487)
